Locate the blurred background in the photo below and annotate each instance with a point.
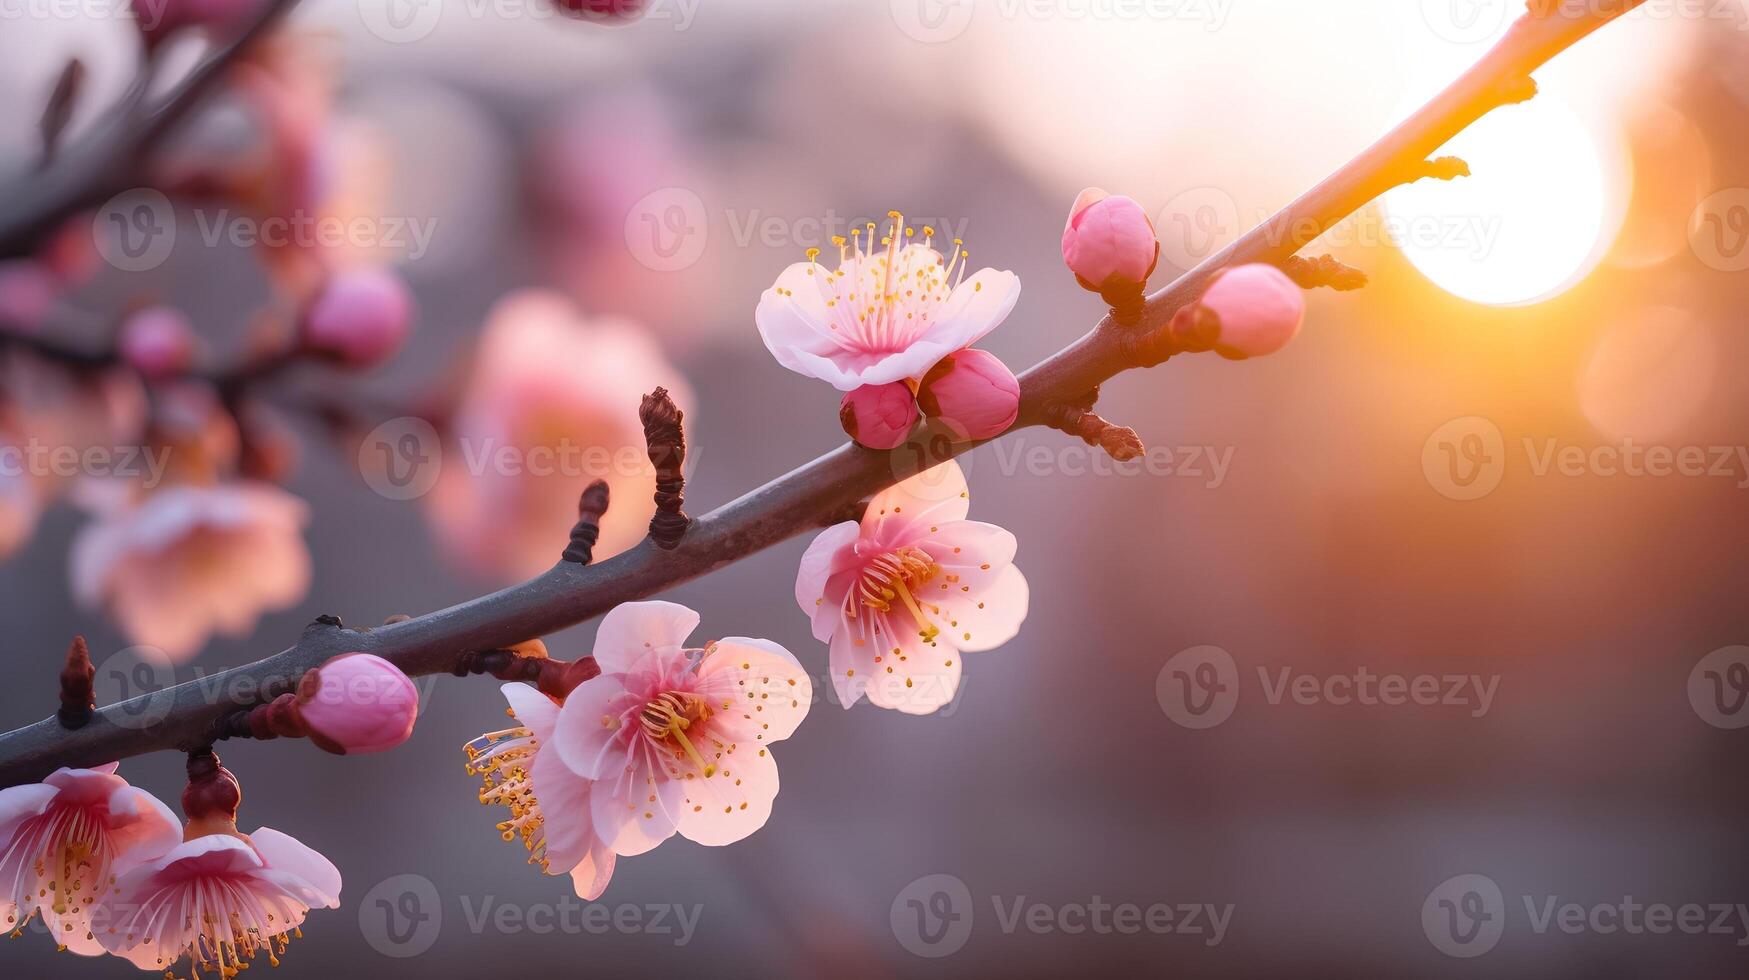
(1481, 468)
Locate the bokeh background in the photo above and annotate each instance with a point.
(1380, 503)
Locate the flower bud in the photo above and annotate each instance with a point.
(1248, 311)
(211, 798)
(879, 416)
(973, 393)
(357, 703)
(157, 341)
(1109, 241)
(361, 317)
(601, 9)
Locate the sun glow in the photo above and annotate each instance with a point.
(1547, 198)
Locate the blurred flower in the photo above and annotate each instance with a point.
(218, 899)
(678, 739)
(357, 703)
(158, 341)
(881, 316)
(1250, 311)
(190, 560)
(902, 594)
(549, 804)
(1108, 239)
(552, 404)
(27, 293)
(20, 502)
(360, 318)
(61, 842)
(158, 19)
(972, 393)
(879, 416)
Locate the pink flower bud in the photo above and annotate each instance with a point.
(157, 341)
(973, 393)
(360, 318)
(27, 294)
(1109, 239)
(357, 703)
(879, 416)
(1256, 308)
(601, 9)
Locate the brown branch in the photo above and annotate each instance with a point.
(570, 593)
(107, 162)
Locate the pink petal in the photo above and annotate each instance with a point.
(732, 804)
(976, 307)
(591, 875)
(637, 808)
(587, 735)
(963, 548)
(911, 676)
(833, 551)
(897, 515)
(757, 689)
(564, 803)
(988, 616)
(282, 852)
(852, 657)
(533, 710)
(142, 828)
(631, 628)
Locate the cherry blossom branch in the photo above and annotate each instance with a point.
(1060, 391)
(107, 163)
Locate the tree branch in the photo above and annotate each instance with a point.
(107, 162)
(570, 593)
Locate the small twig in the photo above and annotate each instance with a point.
(77, 696)
(1323, 271)
(58, 110)
(1120, 443)
(666, 441)
(590, 508)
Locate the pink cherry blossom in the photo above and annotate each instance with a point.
(190, 560)
(1256, 308)
(901, 595)
(879, 416)
(679, 739)
(552, 405)
(218, 899)
(158, 341)
(887, 313)
(361, 317)
(973, 393)
(61, 842)
(358, 703)
(549, 804)
(1108, 239)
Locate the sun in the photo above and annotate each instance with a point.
(1547, 198)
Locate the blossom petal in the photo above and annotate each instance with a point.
(910, 675)
(852, 658)
(141, 828)
(976, 307)
(282, 852)
(897, 515)
(638, 808)
(970, 551)
(533, 710)
(732, 804)
(632, 628)
(832, 551)
(591, 875)
(587, 735)
(757, 689)
(988, 616)
(568, 829)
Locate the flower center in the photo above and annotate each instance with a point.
(882, 298)
(895, 575)
(666, 718)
